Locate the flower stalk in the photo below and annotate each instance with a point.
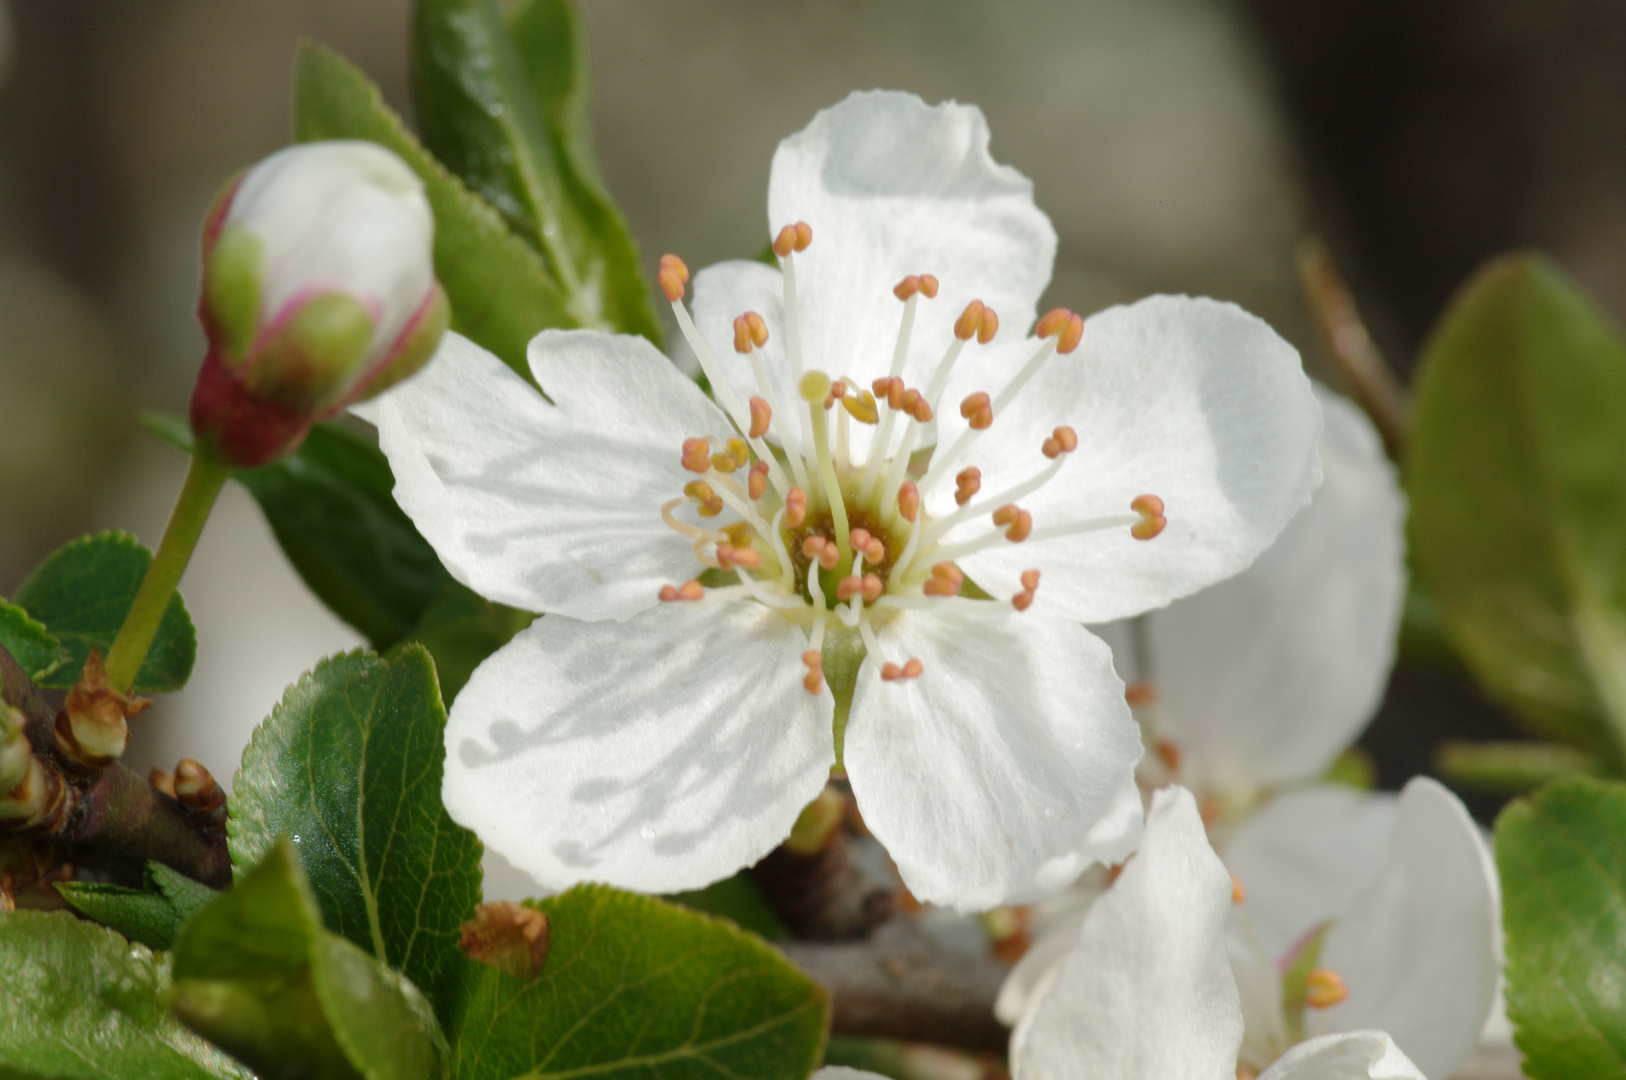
(204, 479)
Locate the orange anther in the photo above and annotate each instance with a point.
(965, 327)
(1238, 893)
(696, 455)
(861, 406)
(987, 327)
(890, 672)
(814, 679)
(909, 500)
(978, 409)
(967, 483)
(672, 276)
(710, 503)
(1071, 336)
(730, 556)
(691, 590)
(1030, 586)
(739, 533)
(758, 328)
(922, 412)
(742, 335)
(1150, 509)
(1324, 988)
(849, 586)
(928, 286)
(1064, 440)
(734, 455)
(761, 417)
(1016, 522)
(668, 593)
(872, 588)
(757, 484)
(1030, 579)
(858, 537)
(1169, 754)
(1140, 693)
(804, 235)
(906, 288)
(1053, 322)
(785, 242)
(838, 389)
(911, 400)
(889, 388)
(795, 507)
(812, 545)
(912, 668)
(946, 580)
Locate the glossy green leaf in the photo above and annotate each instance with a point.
(330, 505)
(151, 915)
(1562, 859)
(82, 1003)
(349, 766)
(505, 109)
(256, 972)
(636, 988)
(737, 899)
(501, 294)
(36, 649)
(1517, 477)
(81, 593)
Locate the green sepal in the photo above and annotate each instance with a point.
(315, 355)
(232, 289)
(151, 915)
(1296, 981)
(256, 973)
(81, 593)
(413, 351)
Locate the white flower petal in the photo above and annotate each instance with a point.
(1355, 1055)
(842, 1072)
(892, 186)
(1419, 948)
(1259, 986)
(659, 754)
(1321, 607)
(1304, 856)
(549, 507)
(985, 776)
(1191, 400)
(1031, 975)
(1148, 992)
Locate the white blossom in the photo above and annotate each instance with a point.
(661, 746)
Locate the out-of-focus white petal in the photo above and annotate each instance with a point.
(659, 754)
(1419, 949)
(1259, 986)
(986, 776)
(1148, 992)
(549, 507)
(1191, 400)
(1266, 677)
(1021, 989)
(1303, 857)
(1354, 1055)
(842, 1072)
(892, 186)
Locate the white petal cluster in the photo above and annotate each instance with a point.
(661, 746)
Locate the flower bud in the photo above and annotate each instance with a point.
(318, 290)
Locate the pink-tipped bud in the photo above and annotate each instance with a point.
(318, 291)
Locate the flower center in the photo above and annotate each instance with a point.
(798, 524)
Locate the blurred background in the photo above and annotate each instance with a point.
(1178, 145)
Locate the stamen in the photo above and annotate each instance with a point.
(734, 455)
(941, 527)
(821, 549)
(697, 455)
(861, 405)
(967, 483)
(1064, 440)
(795, 507)
(849, 587)
(1017, 522)
(786, 568)
(1238, 893)
(794, 238)
(673, 275)
(1064, 326)
(814, 679)
(911, 669)
(703, 536)
(738, 534)
(761, 418)
(1139, 694)
(710, 503)
(978, 409)
(1168, 752)
(758, 593)
(909, 501)
(729, 556)
(966, 326)
(1324, 988)
(1112, 521)
(1151, 521)
(689, 590)
(870, 546)
(756, 485)
(873, 586)
(946, 580)
(1030, 585)
(941, 463)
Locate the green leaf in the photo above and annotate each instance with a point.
(500, 292)
(1562, 859)
(81, 1003)
(738, 899)
(460, 628)
(330, 505)
(349, 765)
(35, 649)
(1517, 478)
(151, 915)
(636, 988)
(503, 104)
(255, 972)
(81, 593)
(1513, 768)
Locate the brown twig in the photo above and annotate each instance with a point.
(112, 820)
(901, 984)
(1351, 348)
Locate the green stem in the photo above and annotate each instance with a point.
(204, 479)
